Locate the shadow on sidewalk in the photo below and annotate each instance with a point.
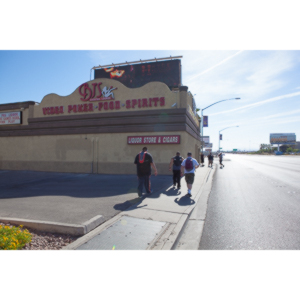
(185, 200)
(172, 192)
(129, 204)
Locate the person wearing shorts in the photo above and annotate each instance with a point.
(189, 173)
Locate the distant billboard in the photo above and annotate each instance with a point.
(206, 139)
(283, 138)
(137, 75)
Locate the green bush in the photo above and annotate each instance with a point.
(13, 238)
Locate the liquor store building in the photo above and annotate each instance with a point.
(99, 128)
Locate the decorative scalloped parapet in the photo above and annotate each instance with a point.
(107, 95)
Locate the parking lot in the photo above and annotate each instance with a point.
(68, 197)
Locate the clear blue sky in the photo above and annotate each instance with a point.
(266, 81)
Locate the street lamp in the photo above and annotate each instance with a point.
(201, 127)
(222, 130)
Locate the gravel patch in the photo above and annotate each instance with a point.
(45, 240)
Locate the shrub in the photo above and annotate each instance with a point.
(13, 238)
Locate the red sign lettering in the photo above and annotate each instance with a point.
(55, 110)
(156, 139)
(89, 94)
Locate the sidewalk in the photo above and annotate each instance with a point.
(153, 223)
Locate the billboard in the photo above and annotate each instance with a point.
(205, 139)
(283, 138)
(137, 75)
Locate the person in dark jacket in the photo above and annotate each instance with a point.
(210, 159)
(202, 159)
(144, 162)
(175, 164)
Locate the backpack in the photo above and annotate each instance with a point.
(177, 160)
(142, 156)
(189, 166)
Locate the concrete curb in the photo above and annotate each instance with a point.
(56, 227)
(82, 240)
(198, 214)
(191, 209)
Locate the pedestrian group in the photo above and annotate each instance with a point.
(180, 166)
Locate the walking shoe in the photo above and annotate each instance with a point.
(188, 195)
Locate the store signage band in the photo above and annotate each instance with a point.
(112, 105)
(155, 139)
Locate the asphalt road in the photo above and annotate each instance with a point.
(68, 197)
(254, 204)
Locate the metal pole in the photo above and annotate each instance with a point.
(202, 120)
(201, 128)
(222, 130)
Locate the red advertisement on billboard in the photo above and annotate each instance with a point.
(137, 75)
(153, 139)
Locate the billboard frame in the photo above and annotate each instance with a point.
(283, 135)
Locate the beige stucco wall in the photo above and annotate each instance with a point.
(89, 153)
(105, 153)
